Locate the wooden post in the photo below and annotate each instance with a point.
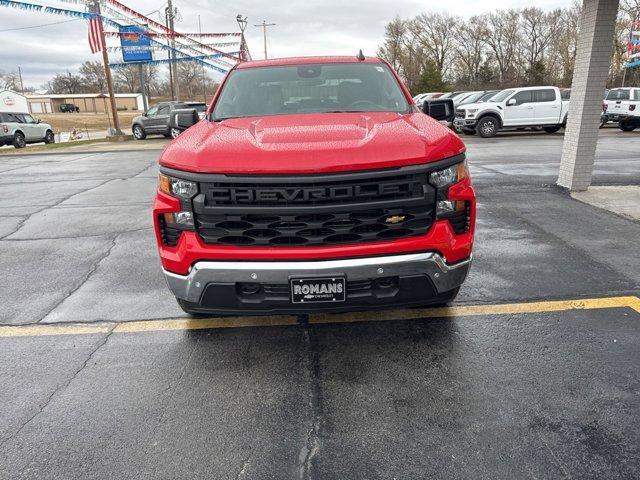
(107, 73)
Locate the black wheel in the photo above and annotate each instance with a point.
(18, 140)
(167, 134)
(187, 308)
(487, 127)
(468, 131)
(49, 137)
(175, 132)
(553, 129)
(139, 133)
(627, 126)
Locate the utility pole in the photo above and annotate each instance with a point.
(204, 84)
(170, 12)
(21, 84)
(107, 71)
(264, 26)
(169, 52)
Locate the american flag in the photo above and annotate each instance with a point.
(96, 39)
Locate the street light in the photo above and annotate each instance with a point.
(242, 23)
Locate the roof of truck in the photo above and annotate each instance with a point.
(277, 62)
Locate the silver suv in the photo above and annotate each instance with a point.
(156, 119)
(18, 129)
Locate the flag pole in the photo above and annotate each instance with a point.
(107, 71)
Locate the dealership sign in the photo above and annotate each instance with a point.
(136, 46)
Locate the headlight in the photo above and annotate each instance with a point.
(448, 176)
(177, 187)
(472, 111)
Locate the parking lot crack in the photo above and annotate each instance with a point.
(62, 200)
(94, 266)
(311, 446)
(61, 387)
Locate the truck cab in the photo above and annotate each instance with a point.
(622, 105)
(313, 184)
(514, 108)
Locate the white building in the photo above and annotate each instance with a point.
(11, 101)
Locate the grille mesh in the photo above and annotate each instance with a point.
(318, 229)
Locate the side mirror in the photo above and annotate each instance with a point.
(38, 120)
(441, 110)
(145, 114)
(183, 118)
(511, 102)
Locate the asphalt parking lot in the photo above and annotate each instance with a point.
(534, 373)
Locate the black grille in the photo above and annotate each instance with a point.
(460, 113)
(170, 236)
(314, 229)
(315, 210)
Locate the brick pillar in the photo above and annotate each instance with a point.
(593, 59)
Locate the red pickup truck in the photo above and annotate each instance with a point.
(313, 184)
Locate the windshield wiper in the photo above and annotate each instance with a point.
(224, 118)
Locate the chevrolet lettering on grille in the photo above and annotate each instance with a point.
(306, 194)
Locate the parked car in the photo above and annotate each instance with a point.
(69, 108)
(314, 184)
(19, 129)
(622, 105)
(514, 108)
(453, 95)
(156, 119)
(420, 98)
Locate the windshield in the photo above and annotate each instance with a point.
(618, 94)
(340, 87)
(501, 96)
(487, 95)
(473, 98)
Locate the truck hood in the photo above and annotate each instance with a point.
(311, 143)
(481, 105)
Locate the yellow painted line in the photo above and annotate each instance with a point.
(182, 324)
(474, 310)
(39, 330)
(202, 323)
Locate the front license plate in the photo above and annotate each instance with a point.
(318, 290)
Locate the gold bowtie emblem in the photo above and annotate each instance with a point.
(394, 219)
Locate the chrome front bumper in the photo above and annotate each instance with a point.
(444, 276)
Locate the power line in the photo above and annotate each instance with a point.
(39, 26)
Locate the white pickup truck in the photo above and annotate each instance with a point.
(512, 109)
(622, 105)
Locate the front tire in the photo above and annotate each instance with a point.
(468, 131)
(627, 126)
(19, 141)
(487, 127)
(175, 132)
(138, 132)
(49, 137)
(552, 129)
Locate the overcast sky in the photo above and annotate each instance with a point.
(304, 27)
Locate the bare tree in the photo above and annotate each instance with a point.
(65, 83)
(392, 48)
(502, 34)
(436, 37)
(93, 77)
(539, 31)
(9, 81)
(471, 49)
